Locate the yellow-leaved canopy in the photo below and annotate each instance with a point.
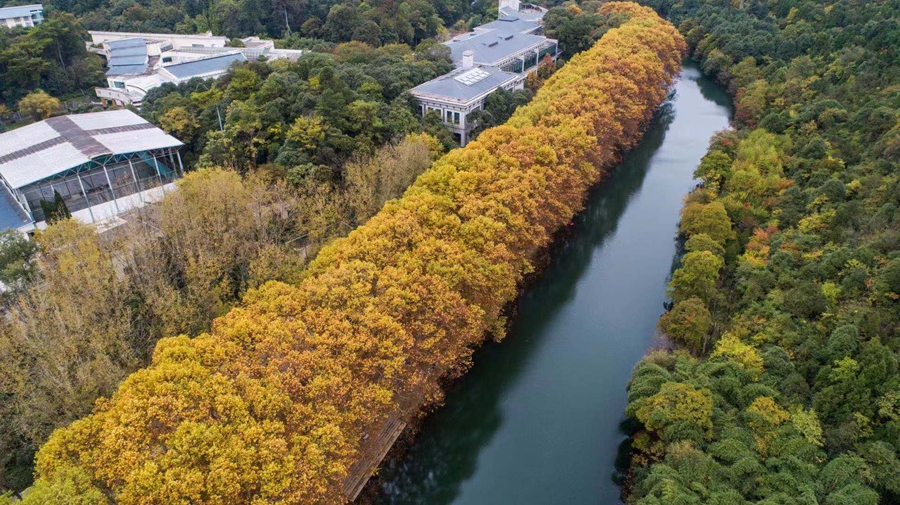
(271, 406)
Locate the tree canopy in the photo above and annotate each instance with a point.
(274, 401)
(789, 278)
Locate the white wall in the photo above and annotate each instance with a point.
(176, 40)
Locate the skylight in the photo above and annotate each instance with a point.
(471, 77)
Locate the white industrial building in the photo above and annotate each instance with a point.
(24, 16)
(101, 164)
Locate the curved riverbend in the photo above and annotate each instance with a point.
(536, 419)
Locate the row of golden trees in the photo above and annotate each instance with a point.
(272, 404)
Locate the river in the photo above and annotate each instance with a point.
(536, 420)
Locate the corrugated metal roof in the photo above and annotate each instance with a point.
(453, 86)
(126, 43)
(130, 51)
(41, 164)
(35, 152)
(137, 140)
(205, 66)
(127, 56)
(20, 11)
(108, 119)
(28, 135)
(119, 60)
(126, 70)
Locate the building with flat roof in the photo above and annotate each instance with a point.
(456, 95)
(22, 15)
(101, 164)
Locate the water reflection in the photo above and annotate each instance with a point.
(536, 419)
(434, 468)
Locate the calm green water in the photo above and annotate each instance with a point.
(536, 419)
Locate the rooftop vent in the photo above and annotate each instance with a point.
(492, 44)
(471, 77)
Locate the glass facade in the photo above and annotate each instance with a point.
(97, 187)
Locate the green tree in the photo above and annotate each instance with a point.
(688, 323)
(696, 277)
(17, 265)
(38, 105)
(711, 219)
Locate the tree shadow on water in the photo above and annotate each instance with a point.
(446, 451)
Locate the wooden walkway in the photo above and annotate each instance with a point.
(373, 450)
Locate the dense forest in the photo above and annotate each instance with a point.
(51, 56)
(273, 402)
(785, 386)
(374, 22)
(305, 118)
(84, 310)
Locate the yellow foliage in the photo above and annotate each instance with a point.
(733, 349)
(273, 404)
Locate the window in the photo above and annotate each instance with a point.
(167, 59)
(456, 118)
(449, 116)
(119, 84)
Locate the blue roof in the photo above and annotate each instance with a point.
(138, 59)
(11, 214)
(125, 43)
(20, 11)
(126, 70)
(456, 86)
(204, 66)
(127, 56)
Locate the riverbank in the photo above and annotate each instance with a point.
(536, 418)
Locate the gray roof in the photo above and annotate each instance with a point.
(126, 43)
(41, 150)
(492, 42)
(512, 24)
(453, 87)
(205, 66)
(126, 70)
(19, 11)
(491, 47)
(137, 59)
(127, 56)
